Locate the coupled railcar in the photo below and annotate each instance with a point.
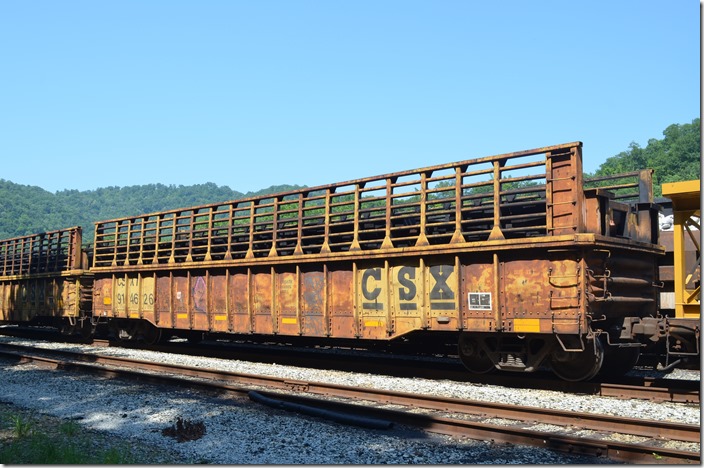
(509, 254)
(44, 280)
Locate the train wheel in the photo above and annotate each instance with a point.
(618, 361)
(86, 330)
(473, 357)
(196, 337)
(66, 329)
(578, 366)
(151, 334)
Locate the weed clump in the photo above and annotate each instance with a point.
(184, 431)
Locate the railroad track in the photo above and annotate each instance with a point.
(643, 388)
(443, 415)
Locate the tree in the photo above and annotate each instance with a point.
(675, 158)
(27, 210)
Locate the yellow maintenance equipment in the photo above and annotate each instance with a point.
(686, 208)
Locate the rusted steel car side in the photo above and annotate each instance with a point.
(44, 278)
(511, 252)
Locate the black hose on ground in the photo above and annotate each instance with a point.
(336, 416)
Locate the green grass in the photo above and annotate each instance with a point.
(40, 448)
(31, 445)
(27, 438)
(21, 427)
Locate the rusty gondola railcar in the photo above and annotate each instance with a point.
(44, 280)
(510, 255)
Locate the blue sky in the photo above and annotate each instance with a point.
(250, 94)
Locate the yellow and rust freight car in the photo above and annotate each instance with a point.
(44, 280)
(512, 256)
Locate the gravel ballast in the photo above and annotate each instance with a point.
(238, 431)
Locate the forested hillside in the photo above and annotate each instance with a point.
(26, 209)
(675, 158)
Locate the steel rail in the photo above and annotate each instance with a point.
(454, 426)
(645, 388)
(649, 389)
